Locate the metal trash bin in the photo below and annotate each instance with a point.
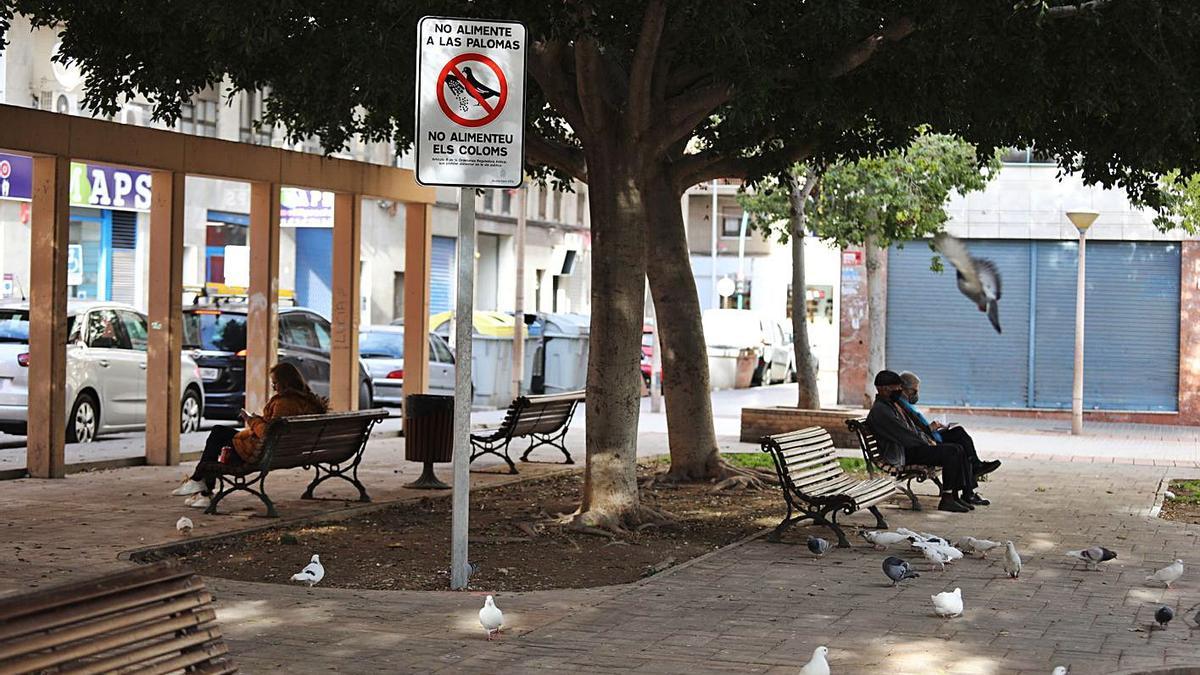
(428, 436)
(566, 340)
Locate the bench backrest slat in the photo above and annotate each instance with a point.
(157, 618)
(804, 459)
(329, 438)
(541, 414)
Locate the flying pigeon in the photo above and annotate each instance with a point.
(948, 604)
(1169, 574)
(1012, 560)
(1093, 556)
(898, 569)
(312, 574)
(817, 665)
(490, 617)
(978, 278)
(184, 525)
(882, 539)
(1164, 615)
(818, 546)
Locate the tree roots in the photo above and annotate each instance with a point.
(723, 477)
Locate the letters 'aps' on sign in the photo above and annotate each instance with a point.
(470, 102)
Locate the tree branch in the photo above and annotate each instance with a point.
(550, 71)
(687, 110)
(705, 166)
(1077, 9)
(645, 57)
(590, 81)
(862, 52)
(540, 150)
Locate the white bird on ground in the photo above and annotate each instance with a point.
(1169, 495)
(1168, 575)
(817, 665)
(933, 554)
(978, 278)
(948, 604)
(1059, 670)
(490, 617)
(948, 553)
(184, 525)
(312, 573)
(982, 546)
(933, 538)
(1012, 560)
(1093, 555)
(882, 539)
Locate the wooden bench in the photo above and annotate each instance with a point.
(153, 619)
(331, 444)
(903, 475)
(815, 486)
(545, 419)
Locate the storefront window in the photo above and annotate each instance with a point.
(87, 231)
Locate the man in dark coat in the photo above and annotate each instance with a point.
(902, 442)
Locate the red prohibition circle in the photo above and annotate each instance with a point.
(452, 67)
(5, 168)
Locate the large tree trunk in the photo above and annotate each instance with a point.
(686, 385)
(806, 377)
(876, 315)
(610, 489)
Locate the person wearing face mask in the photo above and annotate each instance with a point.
(902, 441)
(942, 433)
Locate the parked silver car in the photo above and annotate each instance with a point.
(382, 350)
(106, 371)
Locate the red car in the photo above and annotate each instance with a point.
(647, 353)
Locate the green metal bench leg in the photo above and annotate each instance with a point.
(912, 496)
(831, 523)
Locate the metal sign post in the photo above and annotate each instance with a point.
(470, 133)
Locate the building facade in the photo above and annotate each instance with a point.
(109, 216)
(1142, 347)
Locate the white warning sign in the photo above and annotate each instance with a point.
(470, 102)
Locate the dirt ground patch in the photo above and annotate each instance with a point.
(406, 546)
(1185, 506)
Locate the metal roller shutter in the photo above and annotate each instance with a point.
(1131, 350)
(122, 266)
(314, 268)
(936, 332)
(441, 275)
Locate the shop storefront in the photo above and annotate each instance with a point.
(106, 207)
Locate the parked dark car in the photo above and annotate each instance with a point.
(215, 337)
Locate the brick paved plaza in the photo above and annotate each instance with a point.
(756, 607)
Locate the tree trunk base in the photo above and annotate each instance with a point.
(602, 523)
(723, 476)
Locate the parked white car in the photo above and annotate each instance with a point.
(771, 339)
(106, 371)
(381, 349)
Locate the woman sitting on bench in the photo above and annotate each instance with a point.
(230, 445)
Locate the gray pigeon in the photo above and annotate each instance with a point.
(1093, 555)
(818, 546)
(1164, 615)
(898, 569)
(978, 278)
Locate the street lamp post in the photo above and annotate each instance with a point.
(1082, 220)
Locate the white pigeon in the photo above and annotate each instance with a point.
(1093, 555)
(948, 604)
(490, 617)
(1168, 575)
(817, 665)
(1012, 560)
(882, 539)
(966, 544)
(1169, 495)
(933, 554)
(1059, 670)
(933, 538)
(910, 534)
(184, 525)
(312, 573)
(982, 546)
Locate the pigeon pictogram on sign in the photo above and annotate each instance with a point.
(472, 90)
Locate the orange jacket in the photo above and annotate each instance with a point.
(248, 442)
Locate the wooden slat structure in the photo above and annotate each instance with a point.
(55, 140)
(903, 475)
(153, 619)
(814, 485)
(331, 444)
(545, 419)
